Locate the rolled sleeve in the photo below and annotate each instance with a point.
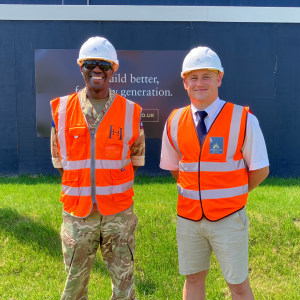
(138, 161)
(56, 161)
(137, 150)
(254, 149)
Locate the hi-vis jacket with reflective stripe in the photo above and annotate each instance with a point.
(213, 180)
(97, 166)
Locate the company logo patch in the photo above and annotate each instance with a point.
(198, 62)
(95, 51)
(216, 145)
(115, 133)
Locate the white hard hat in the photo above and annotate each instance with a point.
(201, 58)
(98, 48)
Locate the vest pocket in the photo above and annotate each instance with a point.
(77, 145)
(113, 151)
(69, 176)
(70, 188)
(122, 183)
(120, 174)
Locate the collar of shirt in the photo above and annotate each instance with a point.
(92, 117)
(212, 112)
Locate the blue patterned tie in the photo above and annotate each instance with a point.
(201, 128)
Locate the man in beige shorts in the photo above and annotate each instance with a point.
(216, 152)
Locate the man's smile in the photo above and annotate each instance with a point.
(97, 78)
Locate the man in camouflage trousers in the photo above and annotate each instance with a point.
(115, 233)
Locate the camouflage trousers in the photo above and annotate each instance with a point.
(81, 238)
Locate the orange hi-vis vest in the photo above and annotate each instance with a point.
(97, 165)
(213, 180)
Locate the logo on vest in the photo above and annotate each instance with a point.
(216, 145)
(115, 132)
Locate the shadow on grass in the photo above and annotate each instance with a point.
(52, 179)
(139, 179)
(281, 182)
(38, 179)
(145, 286)
(146, 180)
(30, 179)
(271, 181)
(26, 230)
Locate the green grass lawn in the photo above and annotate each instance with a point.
(31, 264)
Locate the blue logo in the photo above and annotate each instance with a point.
(216, 145)
(198, 62)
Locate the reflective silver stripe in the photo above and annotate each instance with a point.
(228, 166)
(61, 130)
(224, 193)
(112, 164)
(78, 164)
(114, 189)
(194, 195)
(125, 151)
(213, 194)
(100, 164)
(76, 191)
(128, 130)
(234, 130)
(174, 130)
(100, 190)
(188, 167)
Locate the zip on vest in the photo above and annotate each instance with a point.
(203, 215)
(93, 185)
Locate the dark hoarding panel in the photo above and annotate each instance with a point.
(8, 111)
(172, 36)
(149, 78)
(265, 3)
(259, 3)
(287, 104)
(43, 2)
(75, 2)
(248, 53)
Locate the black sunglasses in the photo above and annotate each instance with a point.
(103, 65)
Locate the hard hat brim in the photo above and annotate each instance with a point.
(183, 74)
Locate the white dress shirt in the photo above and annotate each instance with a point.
(254, 149)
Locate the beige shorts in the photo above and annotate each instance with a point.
(228, 238)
